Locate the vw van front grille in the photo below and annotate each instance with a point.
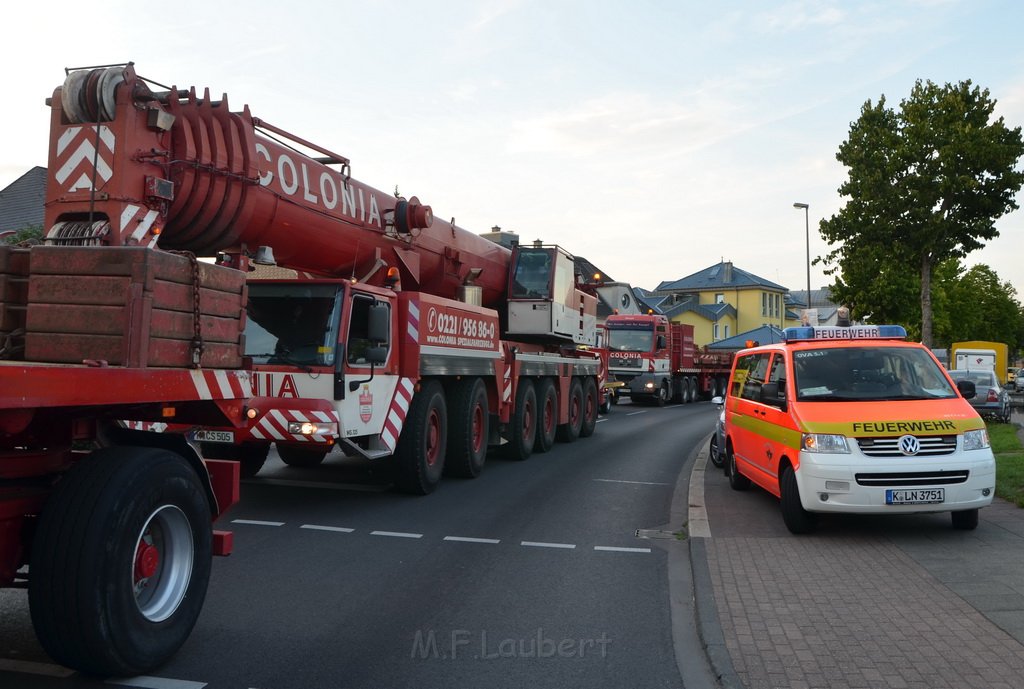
(913, 478)
(931, 446)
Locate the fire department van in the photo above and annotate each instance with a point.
(855, 419)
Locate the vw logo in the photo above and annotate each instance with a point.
(909, 445)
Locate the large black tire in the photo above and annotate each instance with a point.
(737, 481)
(467, 428)
(251, 456)
(547, 415)
(299, 456)
(661, 397)
(965, 519)
(121, 561)
(797, 519)
(569, 431)
(419, 457)
(523, 424)
(590, 405)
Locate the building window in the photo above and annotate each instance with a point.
(764, 303)
(726, 332)
(720, 298)
(715, 336)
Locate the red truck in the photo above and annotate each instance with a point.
(398, 336)
(655, 361)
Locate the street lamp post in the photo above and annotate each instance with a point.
(807, 229)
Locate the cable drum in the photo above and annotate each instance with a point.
(89, 95)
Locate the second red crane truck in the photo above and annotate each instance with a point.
(656, 361)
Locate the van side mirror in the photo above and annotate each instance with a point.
(967, 389)
(770, 395)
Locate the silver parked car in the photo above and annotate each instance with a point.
(991, 400)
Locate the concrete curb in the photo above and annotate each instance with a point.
(709, 628)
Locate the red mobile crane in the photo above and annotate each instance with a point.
(398, 335)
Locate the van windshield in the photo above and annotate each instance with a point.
(868, 374)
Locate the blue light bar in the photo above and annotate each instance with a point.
(853, 332)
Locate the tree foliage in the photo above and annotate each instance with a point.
(30, 234)
(926, 184)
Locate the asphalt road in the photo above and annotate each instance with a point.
(531, 575)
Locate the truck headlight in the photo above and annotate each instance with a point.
(825, 443)
(649, 386)
(312, 428)
(976, 440)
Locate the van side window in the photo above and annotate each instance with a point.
(751, 372)
(778, 374)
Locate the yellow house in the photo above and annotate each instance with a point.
(723, 301)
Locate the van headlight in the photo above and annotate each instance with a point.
(976, 440)
(824, 443)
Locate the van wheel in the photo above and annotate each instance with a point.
(737, 481)
(965, 519)
(797, 519)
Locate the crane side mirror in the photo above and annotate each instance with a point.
(379, 322)
(661, 342)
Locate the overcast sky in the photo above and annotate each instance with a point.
(653, 138)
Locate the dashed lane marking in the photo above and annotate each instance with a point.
(616, 549)
(634, 413)
(639, 483)
(468, 539)
(320, 527)
(455, 539)
(541, 544)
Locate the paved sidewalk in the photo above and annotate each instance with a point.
(866, 602)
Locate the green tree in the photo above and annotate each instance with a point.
(32, 233)
(980, 307)
(926, 184)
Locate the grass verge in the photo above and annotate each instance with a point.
(1009, 454)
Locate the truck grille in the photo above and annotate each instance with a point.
(622, 362)
(931, 446)
(913, 478)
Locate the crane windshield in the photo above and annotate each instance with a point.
(292, 323)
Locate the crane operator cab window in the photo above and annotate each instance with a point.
(292, 324)
(531, 278)
(359, 332)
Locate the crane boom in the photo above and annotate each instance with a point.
(181, 171)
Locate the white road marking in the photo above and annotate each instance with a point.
(634, 413)
(396, 534)
(256, 522)
(540, 544)
(639, 483)
(319, 527)
(30, 667)
(615, 549)
(468, 539)
(145, 682)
